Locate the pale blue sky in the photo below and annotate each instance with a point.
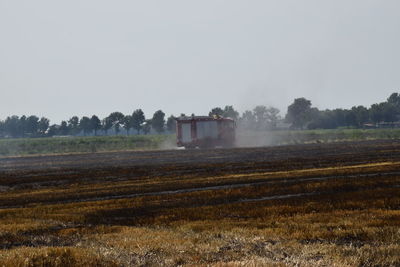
(64, 58)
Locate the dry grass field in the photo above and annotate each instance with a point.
(300, 205)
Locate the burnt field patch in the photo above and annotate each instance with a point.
(318, 204)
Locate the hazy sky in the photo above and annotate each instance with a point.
(84, 57)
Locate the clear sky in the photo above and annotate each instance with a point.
(85, 57)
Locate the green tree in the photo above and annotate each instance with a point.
(350, 118)
(137, 120)
(318, 119)
(260, 113)
(147, 126)
(2, 129)
(117, 119)
(12, 126)
(53, 130)
(95, 124)
(324, 119)
(361, 115)
(394, 99)
(158, 121)
(230, 112)
(32, 125)
(265, 118)
(73, 125)
(216, 112)
(340, 117)
(272, 117)
(43, 125)
(389, 112)
(63, 130)
(21, 126)
(298, 113)
(85, 125)
(171, 124)
(127, 123)
(392, 109)
(248, 120)
(106, 124)
(376, 113)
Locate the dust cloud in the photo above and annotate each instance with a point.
(249, 138)
(168, 144)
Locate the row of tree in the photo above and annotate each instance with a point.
(114, 123)
(300, 115)
(260, 118)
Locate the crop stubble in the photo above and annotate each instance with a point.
(319, 204)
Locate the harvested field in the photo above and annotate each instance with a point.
(317, 204)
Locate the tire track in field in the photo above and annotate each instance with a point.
(224, 187)
(158, 157)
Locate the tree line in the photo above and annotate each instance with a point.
(115, 123)
(300, 115)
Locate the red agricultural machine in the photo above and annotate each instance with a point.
(205, 132)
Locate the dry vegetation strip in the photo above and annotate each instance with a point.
(335, 213)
